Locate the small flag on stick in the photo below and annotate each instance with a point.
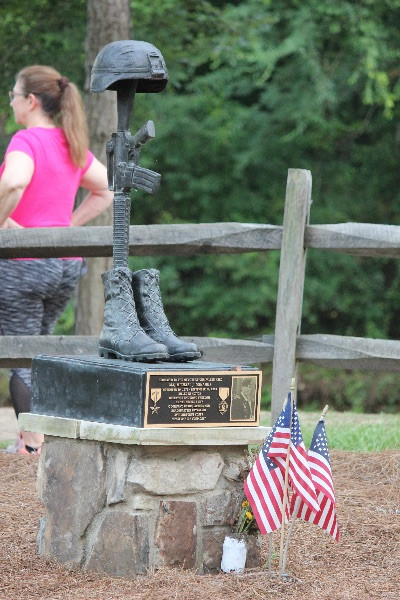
(300, 478)
(318, 458)
(264, 486)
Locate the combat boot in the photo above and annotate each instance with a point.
(122, 336)
(150, 311)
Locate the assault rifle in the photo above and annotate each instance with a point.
(124, 172)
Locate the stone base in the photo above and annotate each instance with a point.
(122, 508)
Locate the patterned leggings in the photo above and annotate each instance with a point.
(33, 295)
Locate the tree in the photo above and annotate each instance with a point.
(108, 21)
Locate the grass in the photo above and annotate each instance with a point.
(351, 431)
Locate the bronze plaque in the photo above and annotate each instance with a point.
(202, 398)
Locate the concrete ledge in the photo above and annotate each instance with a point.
(122, 434)
(67, 428)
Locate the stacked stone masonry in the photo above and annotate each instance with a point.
(122, 509)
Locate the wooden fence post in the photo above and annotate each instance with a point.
(290, 286)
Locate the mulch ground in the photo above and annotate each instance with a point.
(364, 565)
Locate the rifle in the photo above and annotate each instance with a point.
(124, 172)
(123, 168)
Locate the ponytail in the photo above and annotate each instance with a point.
(73, 122)
(60, 99)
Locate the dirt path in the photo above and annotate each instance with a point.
(364, 565)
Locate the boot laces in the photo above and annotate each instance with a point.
(157, 310)
(126, 306)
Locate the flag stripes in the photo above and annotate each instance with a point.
(264, 491)
(318, 458)
(279, 444)
(301, 480)
(321, 474)
(325, 518)
(264, 487)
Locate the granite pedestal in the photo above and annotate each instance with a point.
(121, 499)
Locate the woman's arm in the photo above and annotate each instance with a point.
(11, 224)
(17, 174)
(99, 197)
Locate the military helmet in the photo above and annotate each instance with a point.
(129, 59)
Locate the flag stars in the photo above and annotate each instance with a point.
(319, 442)
(271, 465)
(297, 437)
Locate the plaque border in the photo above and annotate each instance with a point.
(244, 423)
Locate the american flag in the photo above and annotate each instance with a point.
(264, 487)
(299, 471)
(318, 458)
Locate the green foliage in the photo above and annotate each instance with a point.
(42, 32)
(265, 86)
(345, 390)
(222, 296)
(342, 389)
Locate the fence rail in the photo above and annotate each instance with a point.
(144, 240)
(293, 239)
(361, 239)
(331, 351)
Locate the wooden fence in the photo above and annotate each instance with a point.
(287, 347)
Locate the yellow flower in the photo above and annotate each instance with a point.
(249, 515)
(245, 503)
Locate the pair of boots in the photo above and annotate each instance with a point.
(135, 325)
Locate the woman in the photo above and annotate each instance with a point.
(44, 165)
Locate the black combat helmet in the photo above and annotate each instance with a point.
(129, 59)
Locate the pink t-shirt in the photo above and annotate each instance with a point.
(48, 200)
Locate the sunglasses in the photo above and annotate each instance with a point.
(12, 94)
